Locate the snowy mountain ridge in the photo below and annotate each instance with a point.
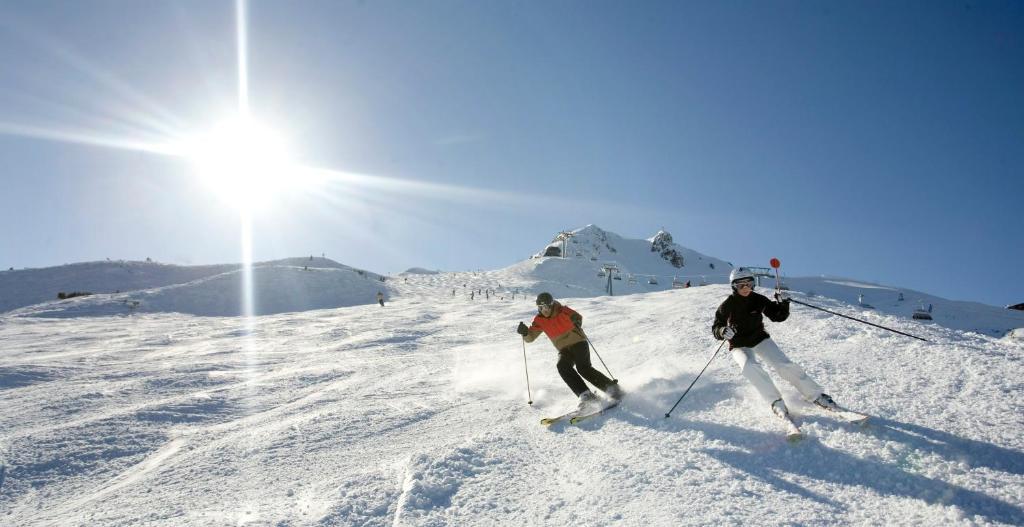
(299, 284)
(121, 287)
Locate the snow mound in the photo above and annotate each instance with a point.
(280, 287)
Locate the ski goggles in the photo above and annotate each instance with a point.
(542, 307)
(740, 284)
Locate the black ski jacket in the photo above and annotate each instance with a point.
(744, 314)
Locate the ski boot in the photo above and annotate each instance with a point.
(588, 401)
(825, 401)
(779, 409)
(613, 391)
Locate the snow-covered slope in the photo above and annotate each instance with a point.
(293, 284)
(419, 270)
(867, 300)
(416, 414)
(25, 287)
(580, 276)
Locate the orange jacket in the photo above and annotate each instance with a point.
(560, 327)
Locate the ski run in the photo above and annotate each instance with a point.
(416, 414)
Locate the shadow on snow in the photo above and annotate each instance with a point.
(765, 456)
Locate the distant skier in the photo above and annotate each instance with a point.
(564, 327)
(380, 298)
(739, 321)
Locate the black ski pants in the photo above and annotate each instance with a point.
(578, 355)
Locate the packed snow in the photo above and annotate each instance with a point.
(332, 410)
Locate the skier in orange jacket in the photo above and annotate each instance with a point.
(564, 327)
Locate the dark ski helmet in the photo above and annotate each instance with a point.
(545, 299)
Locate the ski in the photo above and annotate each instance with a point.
(852, 417)
(575, 420)
(847, 415)
(548, 421)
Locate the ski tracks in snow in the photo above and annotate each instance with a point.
(127, 478)
(416, 414)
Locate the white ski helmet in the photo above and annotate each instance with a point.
(741, 273)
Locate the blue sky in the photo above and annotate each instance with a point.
(875, 140)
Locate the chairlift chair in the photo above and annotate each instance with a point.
(921, 313)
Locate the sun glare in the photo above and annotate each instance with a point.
(243, 162)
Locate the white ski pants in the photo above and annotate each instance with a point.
(769, 353)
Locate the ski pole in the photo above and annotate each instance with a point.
(527, 368)
(614, 380)
(695, 379)
(857, 319)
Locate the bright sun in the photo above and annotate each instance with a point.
(243, 162)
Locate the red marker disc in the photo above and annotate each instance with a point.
(775, 263)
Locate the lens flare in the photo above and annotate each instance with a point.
(243, 162)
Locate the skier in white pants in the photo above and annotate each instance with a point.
(739, 320)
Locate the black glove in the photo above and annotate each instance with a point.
(781, 296)
(522, 329)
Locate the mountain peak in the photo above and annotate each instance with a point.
(655, 257)
(662, 239)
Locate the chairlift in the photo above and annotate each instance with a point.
(921, 313)
(652, 281)
(676, 284)
(593, 258)
(632, 279)
(600, 274)
(616, 277)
